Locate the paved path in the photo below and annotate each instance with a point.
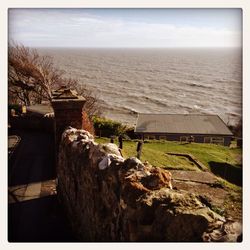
(201, 183)
(13, 141)
(33, 160)
(194, 176)
(34, 214)
(31, 191)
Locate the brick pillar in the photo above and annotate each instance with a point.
(67, 107)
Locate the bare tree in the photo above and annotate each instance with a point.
(92, 106)
(32, 78)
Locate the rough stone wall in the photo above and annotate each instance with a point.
(108, 198)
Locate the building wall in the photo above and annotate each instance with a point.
(216, 139)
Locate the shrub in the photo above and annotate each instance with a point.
(237, 129)
(106, 127)
(87, 124)
(130, 132)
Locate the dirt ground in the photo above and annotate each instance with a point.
(219, 197)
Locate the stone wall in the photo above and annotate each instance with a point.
(108, 198)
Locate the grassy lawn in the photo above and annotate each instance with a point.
(155, 152)
(224, 162)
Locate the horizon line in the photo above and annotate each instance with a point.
(85, 47)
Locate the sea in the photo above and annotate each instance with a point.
(168, 80)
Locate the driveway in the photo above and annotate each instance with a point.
(34, 214)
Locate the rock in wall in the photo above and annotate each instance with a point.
(108, 198)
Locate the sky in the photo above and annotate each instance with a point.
(129, 28)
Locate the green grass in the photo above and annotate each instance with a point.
(155, 153)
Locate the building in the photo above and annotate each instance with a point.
(183, 127)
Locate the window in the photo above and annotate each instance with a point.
(217, 140)
(152, 137)
(214, 140)
(189, 138)
(162, 137)
(207, 139)
(148, 137)
(183, 138)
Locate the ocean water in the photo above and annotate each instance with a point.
(131, 81)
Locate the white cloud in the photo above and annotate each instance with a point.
(78, 29)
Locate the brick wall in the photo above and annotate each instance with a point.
(67, 112)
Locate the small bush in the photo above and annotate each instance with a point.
(87, 124)
(130, 132)
(106, 127)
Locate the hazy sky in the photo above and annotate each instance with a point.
(126, 27)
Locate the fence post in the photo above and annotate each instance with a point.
(139, 149)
